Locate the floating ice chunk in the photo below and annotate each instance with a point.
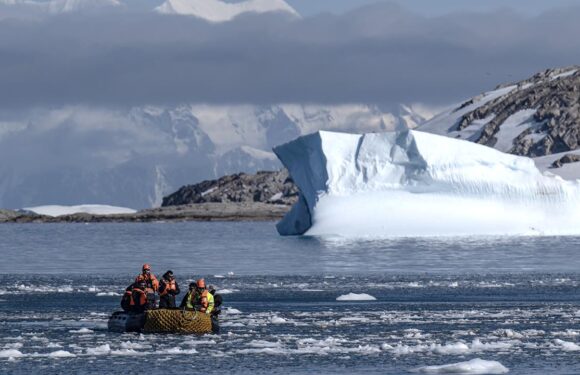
(356, 297)
(567, 345)
(474, 367)
(264, 344)
(177, 350)
(10, 353)
(108, 294)
(232, 311)
(99, 350)
(278, 320)
(61, 354)
(227, 291)
(83, 330)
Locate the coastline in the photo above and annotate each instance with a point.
(192, 212)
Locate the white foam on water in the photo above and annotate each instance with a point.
(356, 297)
(108, 294)
(476, 366)
(232, 311)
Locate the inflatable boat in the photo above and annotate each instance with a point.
(164, 321)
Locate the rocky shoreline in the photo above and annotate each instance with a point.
(254, 211)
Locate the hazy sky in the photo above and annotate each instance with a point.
(385, 53)
(429, 7)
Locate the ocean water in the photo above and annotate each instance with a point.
(515, 301)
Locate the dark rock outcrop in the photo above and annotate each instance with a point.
(554, 94)
(264, 187)
(566, 159)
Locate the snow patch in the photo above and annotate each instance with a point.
(93, 209)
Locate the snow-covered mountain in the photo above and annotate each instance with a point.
(209, 10)
(538, 117)
(220, 11)
(133, 158)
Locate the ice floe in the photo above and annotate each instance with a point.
(356, 297)
(474, 367)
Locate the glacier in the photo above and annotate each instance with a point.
(412, 183)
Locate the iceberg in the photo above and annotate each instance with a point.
(411, 183)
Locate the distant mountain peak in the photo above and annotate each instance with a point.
(220, 11)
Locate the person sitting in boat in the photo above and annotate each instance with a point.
(149, 278)
(204, 301)
(139, 301)
(168, 289)
(188, 300)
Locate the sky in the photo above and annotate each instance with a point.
(386, 52)
(430, 7)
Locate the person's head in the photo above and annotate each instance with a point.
(146, 269)
(211, 289)
(168, 275)
(142, 285)
(200, 284)
(192, 286)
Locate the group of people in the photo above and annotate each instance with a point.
(141, 295)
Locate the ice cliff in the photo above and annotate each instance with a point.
(411, 183)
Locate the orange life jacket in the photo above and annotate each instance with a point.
(169, 285)
(142, 295)
(150, 280)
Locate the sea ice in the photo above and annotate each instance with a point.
(94, 209)
(474, 367)
(411, 183)
(356, 297)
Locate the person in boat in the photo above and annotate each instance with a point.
(188, 300)
(139, 300)
(149, 278)
(168, 289)
(204, 301)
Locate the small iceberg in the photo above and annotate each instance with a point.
(356, 297)
(474, 367)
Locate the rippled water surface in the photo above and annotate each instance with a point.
(438, 301)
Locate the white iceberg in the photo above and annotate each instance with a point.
(410, 183)
(474, 367)
(93, 209)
